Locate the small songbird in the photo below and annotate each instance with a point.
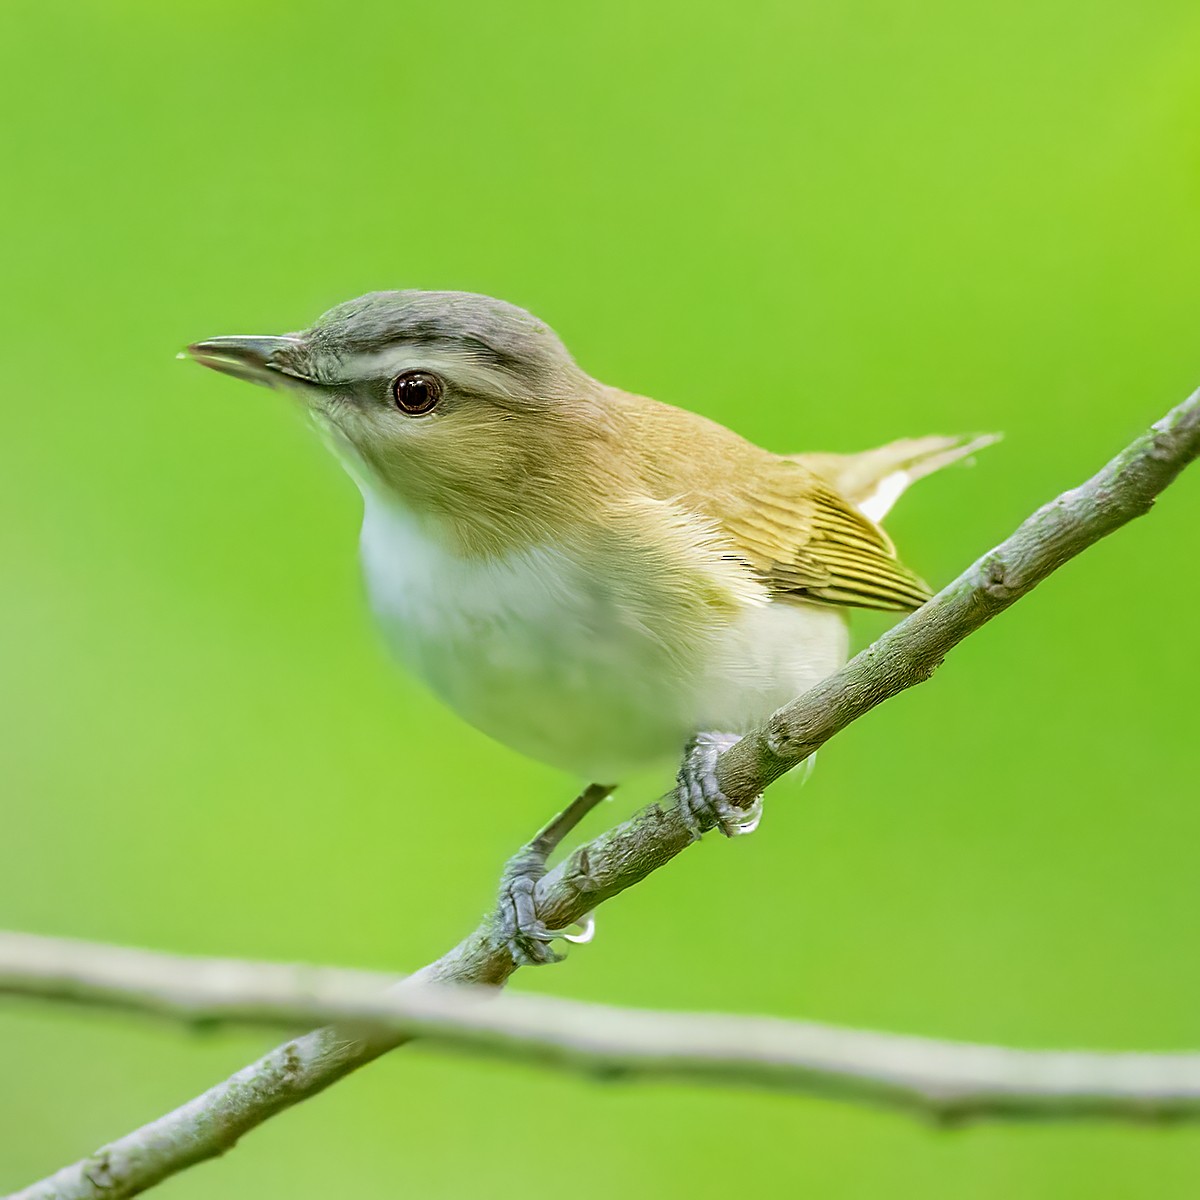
(592, 577)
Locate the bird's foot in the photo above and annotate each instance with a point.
(526, 936)
(700, 798)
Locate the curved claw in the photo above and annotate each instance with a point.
(530, 945)
(580, 932)
(745, 822)
(587, 930)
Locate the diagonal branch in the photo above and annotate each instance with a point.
(946, 1081)
(908, 654)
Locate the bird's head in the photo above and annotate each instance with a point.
(459, 406)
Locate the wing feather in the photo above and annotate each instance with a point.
(808, 543)
(795, 528)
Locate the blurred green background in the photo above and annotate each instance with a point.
(824, 224)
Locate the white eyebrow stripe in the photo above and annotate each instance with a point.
(458, 367)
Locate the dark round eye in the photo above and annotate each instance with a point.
(416, 392)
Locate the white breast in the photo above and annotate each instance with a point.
(546, 651)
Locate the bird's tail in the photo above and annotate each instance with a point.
(875, 479)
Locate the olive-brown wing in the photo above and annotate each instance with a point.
(806, 542)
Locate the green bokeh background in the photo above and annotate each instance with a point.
(825, 224)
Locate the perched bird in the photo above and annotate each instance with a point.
(592, 577)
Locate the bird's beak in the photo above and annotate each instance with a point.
(254, 359)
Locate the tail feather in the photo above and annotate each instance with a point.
(875, 479)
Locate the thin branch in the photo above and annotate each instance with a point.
(211, 1123)
(945, 1081)
(911, 651)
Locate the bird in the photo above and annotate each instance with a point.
(594, 578)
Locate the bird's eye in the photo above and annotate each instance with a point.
(416, 392)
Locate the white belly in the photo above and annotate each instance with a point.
(543, 652)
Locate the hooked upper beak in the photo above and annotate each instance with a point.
(254, 359)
